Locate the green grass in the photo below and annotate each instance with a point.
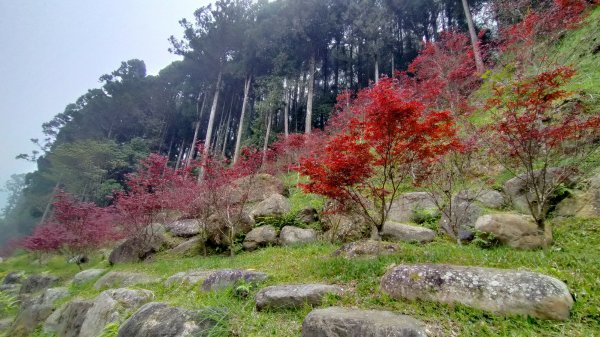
(573, 259)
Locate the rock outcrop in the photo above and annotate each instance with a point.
(190, 277)
(458, 221)
(260, 237)
(294, 295)
(35, 283)
(120, 279)
(366, 248)
(393, 231)
(496, 290)
(87, 275)
(274, 206)
(140, 247)
(227, 277)
(343, 322)
(34, 310)
(515, 230)
(255, 188)
(184, 228)
(403, 208)
(291, 235)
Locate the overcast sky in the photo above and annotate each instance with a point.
(52, 52)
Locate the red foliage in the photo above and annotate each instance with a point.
(75, 227)
(390, 140)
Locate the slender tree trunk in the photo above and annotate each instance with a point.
(267, 135)
(474, 41)
(238, 140)
(286, 111)
(193, 147)
(311, 91)
(376, 69)
(170, 147)
(211, 122)
(49, 203)
(180, 155)
(226, 129)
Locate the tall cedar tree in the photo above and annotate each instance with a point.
(388, 142)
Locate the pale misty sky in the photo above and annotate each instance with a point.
(52, 52)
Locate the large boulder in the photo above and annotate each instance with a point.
(35, 310)
(514, 230)
(496, 290)
(519, 192)
(185, 228)
(191, 247)
(487, 198)
(35, 283)
(149, 241)
(345, 227)
(307, 215)
(584, 203)
(294, 295)
(274, 206)
(119, 279)
(15, 277)
(458, 221)
(227, 277)
(344, 322)
(87, 275)
(291, 235)
(403, 209)
(162, 320)
(111, 306)
(366, 248)
(260, 237)
(393, 231)
(67, 321)
(218, 229)
(190, 277)
(255, 188)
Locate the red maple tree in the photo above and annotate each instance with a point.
(390, 141)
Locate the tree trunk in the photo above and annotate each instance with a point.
(376, 69)
(311, 91)
(211, 122)
(286, 111)
(474, 41)
(180, 155)
(226, 130)
(238, 140)
(267, 135)
(193, 147)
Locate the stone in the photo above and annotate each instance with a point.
(191, 247)
(218, 229)
(15, 277)
(487, 198)
(274, 206)
(345, 227)
(497, 290)
(35, 310)
(514, 230)
(191, 277)
(518, 191)
(87, 275)
(459, 220)
(11, 289)
(403, 208)
(255, 188)
(35, 283)
(260, 237)
(5, 323)
(366, 248)
(227, 277)
(67, 321)
(139, 247)
(393, 231)
(119, 279)
(110, 306)
(185, 228)
(345, 322)
(294, 295)
(583, 203)
(308, 215)
(161, 320)
(291, 235)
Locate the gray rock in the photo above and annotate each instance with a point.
(393, 231)
(119, 279)
(459, 221)
(274, 206)
(308, 215)
(15, 277)
(260, 237)
(11, 289)
(140, 247)
(294, 295)
(366, 248)
(487, 198)
(514, 230)
(87, 275)
(403, 208)
(218, 230)
(518, 191)
(496, 290)
(227, 277)
(191, 277)
(110, 306)
(344, 322)
(5, 323)
(583, 203)
(191, 247)
(255, 188)
(291, 235)
(345, 227)
(67, 321)
(162, 320)
(35, 310)
(35, 283)
(185, 228)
